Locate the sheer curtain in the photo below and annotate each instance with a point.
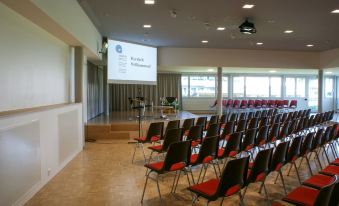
(167, 85)
(95, 91)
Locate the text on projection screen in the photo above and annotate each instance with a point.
(131, 63)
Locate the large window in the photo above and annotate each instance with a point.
(202, 86)
(290, 87)
(257, 86)
(238, 86)
(300, 87)
(295, 87)
(184, 86)
(275, 87)
(225, 86)
(329, 87)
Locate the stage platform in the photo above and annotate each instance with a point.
(125, 126)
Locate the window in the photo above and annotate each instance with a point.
(290, 87)
(300, 87)
(275, 87)
(329, 87)
(225, 86)
(202, 86)
(184, 86)
(257, 86)
(313, 94)
(238, 86)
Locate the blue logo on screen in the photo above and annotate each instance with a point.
(118, 48)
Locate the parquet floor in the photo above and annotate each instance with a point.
(102, 174)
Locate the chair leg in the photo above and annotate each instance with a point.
(243, 196)
(283, 182)
(326, 155)
(135, 149)
(317, 156)
(296, 169)
(176, 184)
(334, 152)
(266, 194)
(241, 199)
(222, 201)
(300, 162)
(143, 152)
(143, 193)
(215, 171)
(289, 171)
(190, 171)
(309, 165)
(203, 177)
(174, 180)
(159, 189)
(202, 167)
(276, 179)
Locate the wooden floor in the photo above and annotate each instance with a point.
(102, 174)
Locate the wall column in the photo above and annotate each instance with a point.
(219, 91)
(320, 90)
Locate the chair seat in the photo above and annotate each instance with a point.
(231, 154)
(303, 196)
(158, 166)
(206, 189)
(259, 177)
(194, 159)
(143, 139)
(157, 148)
(195, 143)
(318, 181)
(330, 170)
(335, 162)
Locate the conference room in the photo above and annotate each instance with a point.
(154, 102)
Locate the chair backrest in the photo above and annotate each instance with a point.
(155, 129)
(174, 124)
(214, 119)
(331, 116)
(236, 103)
(284, 130)
(233, 177)
(292, 127)
(195, 133)
(228, 129)
(177, 155)
(233, 144)
(229, 103)
(253, 123)
(263, 122)
(278, 118)
(284, 117)
(262, 135)
(264, 103)
(207, 150)
(317, 139)
(324, 196)
(260, 166)
(242, 116)
(274, 132)
(172, 135)
(250, 115)
(201, 121)
(279, 156)
(270, 112)
(213, 130)
(326, 135)
(264, 113)
(188, 123)
(294, 151)
(334, 131)
(233, 117)
(257, 103)
(272, 119)
(300, 113)
(307, 144)
(251, 103)
(249, 139)
(257, 114)
(241, 126)
(223, 118)
(243, 103)
(308, 112)
(293, 103)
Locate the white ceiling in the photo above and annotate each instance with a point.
(311, 21)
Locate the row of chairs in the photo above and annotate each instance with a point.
(204, 157)
(257, 104)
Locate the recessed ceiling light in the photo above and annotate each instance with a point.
(149, 1)
(272, 71)
(288, 31)
(336, 11)
(210, 70)
(204, 41)
(147, 26)
(248, 6)
(260, 43)
(310, 45)
(221, 28)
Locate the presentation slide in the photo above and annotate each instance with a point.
(131, 63)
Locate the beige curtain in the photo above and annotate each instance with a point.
(167, 85)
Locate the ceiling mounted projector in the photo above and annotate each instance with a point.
(247, 28)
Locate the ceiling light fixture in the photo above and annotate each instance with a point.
(247, 27)
(260, 43)
(310, 45)
(248, 6)
(149, 2)
(272, 71)
(221, 28)
(336, 11)
(288, 31)
(204, 41)
(147, 26)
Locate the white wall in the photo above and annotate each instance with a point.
(237, 58)
(34, 64)
(34, 147)
(329, 59)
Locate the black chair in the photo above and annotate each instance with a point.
(316, 143)
(324, 141)
(195, 135)
(253, 123)
(284, 130)
(273, 134)
(248, 142)
(214, 119)
(305, 150)
(223, 119)
(231, 149)
(206, 155)
(230, 183)
(263, 122)
(201, 121)
(257, 114)
(213, 130)
(242, 116)
(293, 154)
(188, 123)
(154, 134)
(173, 124)
(233, 117)
(176, 160)
(261, 138)
(228, 130)
(241, 126)
(259, 170)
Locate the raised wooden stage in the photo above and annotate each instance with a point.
(124, 125)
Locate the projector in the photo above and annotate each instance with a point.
(247, 28)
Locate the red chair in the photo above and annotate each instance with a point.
(229, 105)
(293, 104)
(258, 104)
(176, 160)
(243, 104)
(230, 183)
(285, 104)
(251, 104)
(154, 134)
(272, 104)
(236, 104)
(280, 104)
(264, 103)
